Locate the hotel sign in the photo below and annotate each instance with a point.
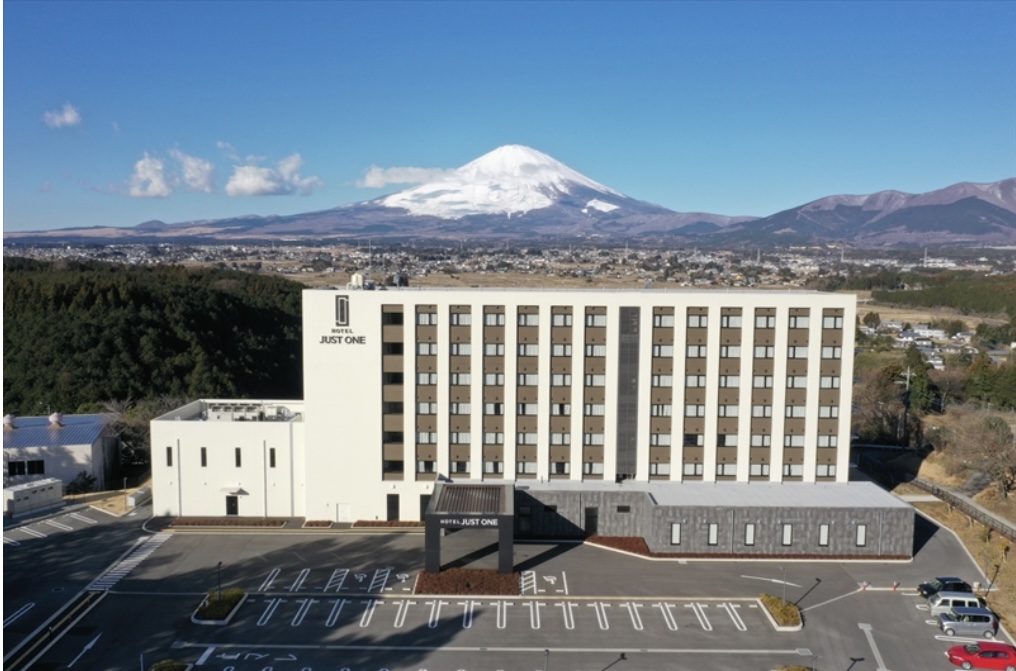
(342, 334)
(470, 522)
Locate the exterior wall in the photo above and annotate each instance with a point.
(66, 462)
(566, 517)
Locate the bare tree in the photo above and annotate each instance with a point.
(986, 444)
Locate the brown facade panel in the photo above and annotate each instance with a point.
(392, 422)
(595, 365)
(529, 334)
(392, 393)
(797, 367)
(392, 451)
(832, 337)
(493, 394)
(393, 364)
(458, 334)
(831, 367)
(392, 333)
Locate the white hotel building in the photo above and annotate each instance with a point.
(708, 422)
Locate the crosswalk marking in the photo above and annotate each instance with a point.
(109, 579)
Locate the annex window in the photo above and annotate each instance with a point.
(749, 533)
(675, 533)
(798, 322)
(761, 440)
(788, 535)
(762, 382)
(493, 319)
(861, 538)
(663, 321)
(271, 457)
(832, 322)
(697, 321)
(561, 319)
(169, 457)
(530, 319)
(624, 509)
(493, 349)
(696, 351)
(461, 349)
(730, 321)
(663, 351)
(461, 379)
(823, 535)
(714, 534)
(765, 321)
(238, 456)
(596, 350)
(204, 457)
(461, 319)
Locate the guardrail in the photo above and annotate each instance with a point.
(23, 656)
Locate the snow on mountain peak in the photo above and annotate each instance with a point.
(509, 179)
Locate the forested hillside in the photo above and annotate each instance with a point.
(77, 335)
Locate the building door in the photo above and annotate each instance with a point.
(232, 505)
(343, 512)
(424, 502)
(592, 521)
(393, 507)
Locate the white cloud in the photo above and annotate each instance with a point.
(377, 177)
(68, 116)
(197, 173)
(149, 179)
(285, 178)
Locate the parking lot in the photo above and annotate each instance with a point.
(345, 601)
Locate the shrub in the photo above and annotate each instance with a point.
(468, 581)
(785, 613)
(215, 608)
(168, 665)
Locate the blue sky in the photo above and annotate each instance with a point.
(116, 113)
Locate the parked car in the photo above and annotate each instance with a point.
(976, 622)
(983, 656)
(943, 602)
(936, 585)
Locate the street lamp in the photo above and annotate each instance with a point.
(546, 660)
(218, 572)
(783, 571)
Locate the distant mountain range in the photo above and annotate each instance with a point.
(518, 193)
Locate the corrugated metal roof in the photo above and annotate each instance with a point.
(32, 432)
(472, 499)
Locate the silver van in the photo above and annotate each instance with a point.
(975, 622)
(943, 602)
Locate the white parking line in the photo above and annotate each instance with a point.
(58, 525)
(668, 615)
(534, 613)
(336, 609)
(700, 614)
(32, 532)
(400, 614)
(368, 611)
(269, 611)
(298, 583)
(435, 613)
(528, 580)
(467, 613)
(18, 613)
(502, 613)
(380, 579)
(302, 611)
(10, 541)
(636, 619)
(601, 614)
(82, 518)
(337, 579)
(269, 580)
(566, 609)
(734, 615)
(866, 628)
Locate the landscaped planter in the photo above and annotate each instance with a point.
(225, 621)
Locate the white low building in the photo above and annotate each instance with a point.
(61, 447)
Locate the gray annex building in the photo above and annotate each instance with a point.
(709, 423)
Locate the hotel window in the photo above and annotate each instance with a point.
(761, 411)
(832, 352)
(493, 438)
(861, 538)
(726, 440)
(594, 409)
(832, 322)
(560, 439)
(460, 408)
(828, 441)
(204, 457)
(663, 321)
(493, 319)
(526, 439)
(560, 409)
(493, 408)
(730, 351)
(765, 321)
(726, 469)
(426, 318)
(592, 439)
(525, 467)
(596, 350)
(797, 411)
(749, 533)
(693, 410)
(730, 321)
(461, 379)
(426, 437)
(793, 441)
(461, 319)
(426, 379)
(694, 381)
(426, 348)
(596, 320)
(692, 468)
(697, 321)
(493, 379)
(528, 379)
(560, 468)
(493, 349)
(529, 349)
(675, 533)
(764, 351)
(391, 378)
(798, 322)
(271, 457)
(560, 319)
(793, 470)
(238, 453)
(663, 380)
(659, 439)
(424, 466)
(624, 509)
(729, 381)
(527, 409)
(529, 319)
(825, 470)
(797, 352)
(493, 467)
(797, 382)
(592, 468)
(829, 382)
(657, 468)
(662, 410)
(461, 438)
(169, 457)
(761, 440)
(596, 380)
(460, 466)
(694, 440)
(823, 535)
(560, 380)
(828, 411)
(663, 351)
(560, 350)
(696, 351)
(461, 349)
(426, 408)
(788, 535)
(714, 534)
(728, 411)
(758, 470)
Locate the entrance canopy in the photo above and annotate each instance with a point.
(471, 506)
